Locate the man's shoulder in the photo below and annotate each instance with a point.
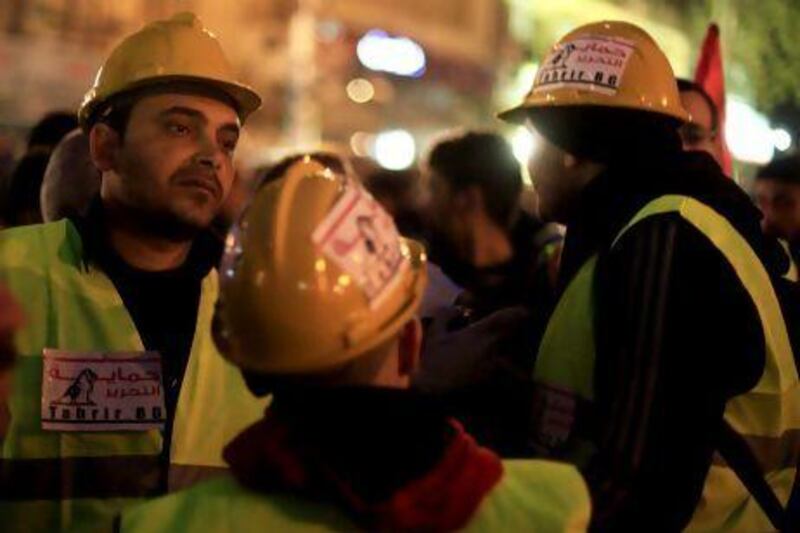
(36, 232)
(550, 494)
(28, 244)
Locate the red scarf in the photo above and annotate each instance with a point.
(265, 457)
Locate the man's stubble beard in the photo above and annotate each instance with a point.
(148, 216)
(165, 224)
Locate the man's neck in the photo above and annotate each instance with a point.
(491, 245)
(141, 250)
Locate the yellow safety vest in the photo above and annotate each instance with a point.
(767, 416)
(533, 496)
(52, 481)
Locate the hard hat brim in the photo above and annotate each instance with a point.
(244, 99)
(515, 115)
(522, 112)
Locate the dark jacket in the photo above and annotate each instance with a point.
(677, 336)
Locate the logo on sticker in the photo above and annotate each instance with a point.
(361, 238)
(594, 63)
(80, 390)
(101, 392)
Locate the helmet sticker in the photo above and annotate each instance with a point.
(591, 63)
(360, 237)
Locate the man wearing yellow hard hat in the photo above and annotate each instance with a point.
(120, 393)
(324, 317)
(666, 371)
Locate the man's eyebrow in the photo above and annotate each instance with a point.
(197, 115)
(231, 127)
(181, 110)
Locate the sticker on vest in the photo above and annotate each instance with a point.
(554, 411)
(361, 239)
(592, 63)
(109, 391)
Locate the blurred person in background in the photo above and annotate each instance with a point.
(21, 205)
(23, 199)
(20, 202)
(120, 392)
(701, 131)
(777, 194)
(479, 352)
(48, 132)
(480, 235)
(346, 444)
(71, 180)
(669, 347)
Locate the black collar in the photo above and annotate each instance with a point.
(204, 255)
(614, 197)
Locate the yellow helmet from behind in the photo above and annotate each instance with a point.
(314, 275)
(604, 64)
(179, 50)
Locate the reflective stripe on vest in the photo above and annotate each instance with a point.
(768, 416)
(87, 476)
(533, 496)
(791, 274)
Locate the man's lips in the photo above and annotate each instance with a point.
(209, 185)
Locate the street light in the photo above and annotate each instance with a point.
(377, 51)
(394, 149)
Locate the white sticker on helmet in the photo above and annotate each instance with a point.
(361, 239)
(591, 63)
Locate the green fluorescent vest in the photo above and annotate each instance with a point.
(768, 416)
(533, 496)
(51, 480)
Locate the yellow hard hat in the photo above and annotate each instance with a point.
(606, 64)
(314, 275)
(178, 49)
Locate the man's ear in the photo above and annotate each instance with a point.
(409, 347)
(104, 143)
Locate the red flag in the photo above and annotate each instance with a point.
(710, 76)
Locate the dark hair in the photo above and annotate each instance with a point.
(391, 183)
(685, 86)
(482, 159)
(51, 129)
(609, 135)
(25, 187)
(276, 171)
(784, 169)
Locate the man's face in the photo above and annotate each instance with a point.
(698, 135)
(449, 213)
(556, 191)
(175, 165)
(780, 204)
